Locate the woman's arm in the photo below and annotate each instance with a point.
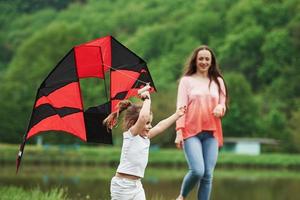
(220, 109)
(182, 101)
(166, 123)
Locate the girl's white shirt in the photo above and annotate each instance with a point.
(134, 155)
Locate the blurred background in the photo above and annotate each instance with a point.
(257, 45)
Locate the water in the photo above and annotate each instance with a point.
(159, 183)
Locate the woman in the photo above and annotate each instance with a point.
(199, 132)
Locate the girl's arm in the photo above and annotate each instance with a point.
(166, 123)
(144, 115)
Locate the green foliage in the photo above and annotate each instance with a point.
(146, 38)
(30, 6)
(277, 50)
(17, 193)
(32, 62)
(107, 155)
(256, 43)
(164, 105)
(294, 31)
(274, 124)
(241, 119)
(294, 128)
(241, 51)
(15, 18)
(19, 29)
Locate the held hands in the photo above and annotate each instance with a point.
(180, 111)
(219, 111)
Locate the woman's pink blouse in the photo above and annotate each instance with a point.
(200, 100)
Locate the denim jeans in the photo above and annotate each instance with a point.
(201, 152)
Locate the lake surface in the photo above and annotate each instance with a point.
(93, 182)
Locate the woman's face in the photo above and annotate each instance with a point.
(203, 61)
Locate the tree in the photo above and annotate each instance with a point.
(33, 61)
(294, 128)
(241, 51)
(277, 50)
(242, 117)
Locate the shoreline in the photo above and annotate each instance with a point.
(109, 156)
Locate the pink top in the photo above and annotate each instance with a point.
(200, 101)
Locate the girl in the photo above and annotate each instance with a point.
(126, 184)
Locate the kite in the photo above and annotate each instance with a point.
(58, 105)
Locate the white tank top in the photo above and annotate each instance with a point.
(134, 155)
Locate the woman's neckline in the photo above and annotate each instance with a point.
(199, 78)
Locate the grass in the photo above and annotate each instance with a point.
(107, 155)
(17, 193)
(83, 162)
(152, 174)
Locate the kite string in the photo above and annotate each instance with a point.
(131, 77)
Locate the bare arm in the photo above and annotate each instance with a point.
(179, 139)
(220, 109)
(182, 100)
(144, 116)
(166, 123)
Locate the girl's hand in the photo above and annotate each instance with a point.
(219, 111)
(145, 95)
(179, 139)
(147, 87)
(181, 111)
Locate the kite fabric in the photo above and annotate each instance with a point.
(59, 105)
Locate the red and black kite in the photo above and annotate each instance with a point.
(58, 105)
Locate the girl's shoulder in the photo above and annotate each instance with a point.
(127, 134)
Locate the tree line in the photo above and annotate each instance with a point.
(257, 44)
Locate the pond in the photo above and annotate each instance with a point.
(92, 182)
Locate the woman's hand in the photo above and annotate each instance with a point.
(179, 139)
(219, 111)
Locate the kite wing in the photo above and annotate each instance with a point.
(58, 105)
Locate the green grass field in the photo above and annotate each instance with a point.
(106, 155)
(17, 193)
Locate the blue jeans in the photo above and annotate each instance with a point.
(201, 152)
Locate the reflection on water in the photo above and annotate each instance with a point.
(159, 183)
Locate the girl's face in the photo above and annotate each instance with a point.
(203, 61)
(147, 128)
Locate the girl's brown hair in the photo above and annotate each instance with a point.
(213, 72)
(130, 118)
